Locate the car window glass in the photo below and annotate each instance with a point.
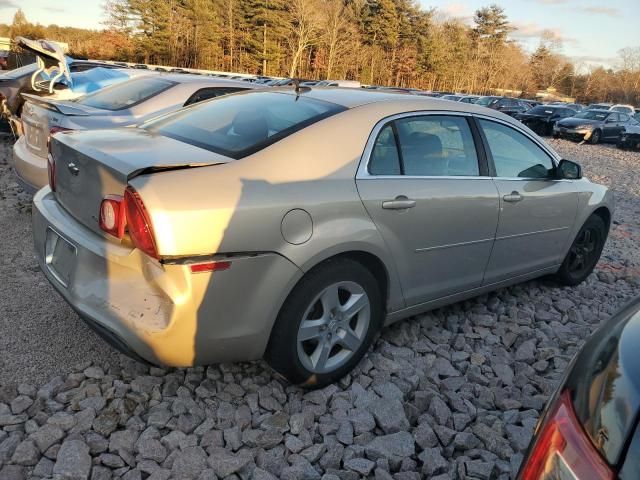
(624, 117)
(213, 92)
(614, 117)
(515, 155)
(437, 146)
(126, 94)
(629, 470)
(239, 125)
(384, 157)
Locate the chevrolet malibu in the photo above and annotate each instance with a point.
(121, 105)
(294, 224)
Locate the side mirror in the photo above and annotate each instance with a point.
(569, 170)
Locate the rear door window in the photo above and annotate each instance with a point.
(239, 125)
(429, 145)
(126, 94)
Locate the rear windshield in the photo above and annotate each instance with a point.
(242, 124)
(126, 94)
(19, 72)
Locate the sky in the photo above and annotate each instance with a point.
(591, 31)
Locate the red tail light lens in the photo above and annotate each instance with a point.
(139, 224)
(112, 216)
(210, 267)
(563, 449)
(51, 172)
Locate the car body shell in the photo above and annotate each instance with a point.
(542, 119)
(603, 381)
(582, 129)
(275, 215)
(40, 116)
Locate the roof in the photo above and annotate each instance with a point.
(352, 98)
(190, 78)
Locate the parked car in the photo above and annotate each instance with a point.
(339, 83)
(248, 226)
(507, 105)
(453, 98)
(469, 98)
(594, 126)
(541, 119)
(600, 106)
(630, 137)
(628, 109)
(589, 429)
(120, 105)
(15, 82)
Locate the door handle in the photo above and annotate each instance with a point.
(513, 197)
(399, 203)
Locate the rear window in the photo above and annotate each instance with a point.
(242, 124)
(542, 111)
(126, 94)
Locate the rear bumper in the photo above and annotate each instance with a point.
(162, 314)
(30, 168)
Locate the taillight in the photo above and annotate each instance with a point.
(210, 267)
(563, 450)
(51, 172)
(112, 215)
(139, 224)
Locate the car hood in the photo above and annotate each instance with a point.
(576, 122)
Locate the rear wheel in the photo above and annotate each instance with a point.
(584, 252)
(595, 137)
(326, 324)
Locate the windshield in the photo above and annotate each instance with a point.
(592, 115)
(20, 72)
(484, 101)
(126, 94)
(242, 124)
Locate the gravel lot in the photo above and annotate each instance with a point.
(453, 394)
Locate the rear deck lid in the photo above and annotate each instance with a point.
(93, 164)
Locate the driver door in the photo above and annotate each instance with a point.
(537, 211)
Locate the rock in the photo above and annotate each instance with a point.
(433, 462)
(393, 446)
(151, 449)
(26, 454)
(46, 436)
(526, 352)
(440, 410)
(389, 415)
(20, 404)
(480, 469)
(73, 461)
(44, 468)
(224, 463)
(189, 463)
(94, 372)
(493, 441)
(360, 465)
(123, 441)
(12, 472)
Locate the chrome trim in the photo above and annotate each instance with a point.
(517, 235)
(416, 177)
(453, 245)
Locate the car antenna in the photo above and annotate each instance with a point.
(298, 88)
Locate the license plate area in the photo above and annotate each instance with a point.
(60, 257)
(33, 137)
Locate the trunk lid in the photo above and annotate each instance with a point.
(93, 164)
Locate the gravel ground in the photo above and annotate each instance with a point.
(453, 394)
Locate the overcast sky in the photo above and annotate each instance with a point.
(590, 30)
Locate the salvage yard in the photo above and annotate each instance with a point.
(450, 394)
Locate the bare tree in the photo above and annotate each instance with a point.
(305, 22)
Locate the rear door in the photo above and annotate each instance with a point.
(427, 189)
(536, 210)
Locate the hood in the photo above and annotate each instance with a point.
(50, 58)
(635, 129)
(576, 122)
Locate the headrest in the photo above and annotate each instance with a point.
(252, 125)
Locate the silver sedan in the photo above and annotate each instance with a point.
(120, 105)
(294, 225)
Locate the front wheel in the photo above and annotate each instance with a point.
(326, 324)
(595, 137)
(584, 252)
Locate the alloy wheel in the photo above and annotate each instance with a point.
(333, 327)
(583, 251)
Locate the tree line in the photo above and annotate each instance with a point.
(378, 42)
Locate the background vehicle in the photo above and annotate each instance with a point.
(453, 98)
(506, 105)
(339, 83)
(628, 109)
(541, 119)
(281, 204)
(589, 429)
(630, 137)
(594, 126)
(120, 105)
(469, 98)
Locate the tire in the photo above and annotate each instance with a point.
(584, 253)
(595, 137)
(289, 354)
